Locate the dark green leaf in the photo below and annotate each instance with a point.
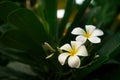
(40, 12)
(10, 74)
(51, 15)
(111, 45)
(18, 40)
(6, 8)
(4, 28)
(18, 55)
(26, 21)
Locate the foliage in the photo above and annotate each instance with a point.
(24, 28)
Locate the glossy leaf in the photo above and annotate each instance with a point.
(26, 21)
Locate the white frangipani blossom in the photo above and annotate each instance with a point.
(91, 34)
(72, 52)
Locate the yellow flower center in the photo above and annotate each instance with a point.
(73, 51)
(87, 35)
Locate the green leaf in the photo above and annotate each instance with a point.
(105, 14)
(4, 28)
(18, 40)
(6, 8)
(21, 56)
(10, 74)
(64, 21)
(19, 46)
(26, 21)
(40, 13)
(51, 15)
(111, 46)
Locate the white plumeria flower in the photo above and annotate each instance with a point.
(91, 34)
(72, 51)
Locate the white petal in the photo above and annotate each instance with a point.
(82, 51)
(97, 32)
(90, 28)
(75, 44)
(62, 57)
(66, 47)
(74, 61)
(81, 39)
(78, 31)
(94, 39)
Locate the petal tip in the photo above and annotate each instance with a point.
(77, 31)
(74, 61)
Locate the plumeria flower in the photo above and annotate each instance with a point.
(91, 34)
(72, 52)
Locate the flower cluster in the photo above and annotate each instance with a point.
(77, 47)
